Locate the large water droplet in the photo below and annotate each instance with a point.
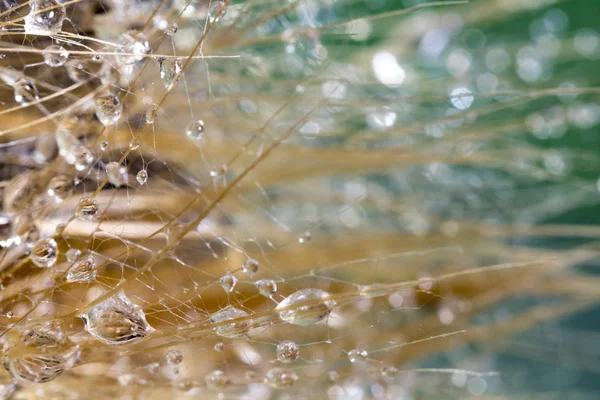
(196, 130)
(355, 355)
(117, 321)
(216, 380)
(133, 47)
(116, 173)
(73, 255)
(169, 70)
(44, 253)
(234, 329)
(108, 109)
(174, 357)
(45, 17)
(87, 209)
(280, 378)
(287, 351)
(214, 8)
(266, 287)
(84, 270)
(228, 282)
(142, 176)
(25, 92)
(309, 314)
(250, 267)
(55, 55)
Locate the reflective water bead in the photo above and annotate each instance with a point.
(59, 186)
(174, 357)
(228, 282)
(133, 47)
(73, 255)
(196, 130)
(309, 314)
(216, 380)
(87, 209)
(25, 92)
(45, 17)
(250, 267)
(134, 144)
(151, 113)
(389, 371)
(116, 321)
(280, 378)
(234, 329)
(82, 158)
(116, 173)
(169, 71)
(108, 109)
(355, 355)
(214, 9)
(287, 351)
(55, 55)
(305, 238)
(103, 145)
(84, 270)
(266, 287)
(153, 368)
(172, 29)
(142, 176)
(44, 253)
(219, 346)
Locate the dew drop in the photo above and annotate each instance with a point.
(116, 173)
(73, 255)
(308, 314)
(142, 176)
(389, 371)
(116, 321)
(250, 267)
(169, 70)
(133, 47)
(174, 357)
(103, 145)
(374, 290)
(234, 329)
(55, 55)
(153, 368)
(134, 144)
(79, 70)
(216, 380)
(87, 209)
(280, 378)
(196, 130)
(172, 29)
(266, 287)
(219, 346)
(355, 355)
(214, 8)
(45, 17)
(10, 314)
(108, 109)
(82, 158)
(58, 187)
(84, 270)
(25, 92)
(228, 282)
(305, 238)
(287, 351)
(151, 113)
(44, 253)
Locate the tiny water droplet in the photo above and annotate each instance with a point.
(250, 267)
(151, 113)
(174, 357)
(82, 158)
(142, 176)
(87, 209)
(116, 173)
(266, 287)
(196, 130)
(228, 282)
(216, 380)
(134, 144)
(214, 8)
(172, 29)
(116, 321)
(234, 329)
(219, 346)
(44, 253)
(84, 270)
(280, 378)
(55, 55)
(45, 17)
(103, 145)
(389, 371)
(169, 70)
(59, 186)
(73, 254)
(318, 308)
(153, 368)
(10, 314)
(287, 351)
(108, 109)
(25, 92)
(133, 47)
(79, 70)
(355, 355)
(305, 238)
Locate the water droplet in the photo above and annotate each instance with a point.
(44, 253)
(219, 346)
(280, 378)
(103, 145)
(133, 47)
(82, 158)
(87, 209)
(79, 70)
(116, 173)
(214, 8)
(266, 287)
(216, 380)
(287, 351)
(389, 371)
(374, 290)
(196, 130)
(174, 357)
(151, 113)
(108, 109)
(250, 267)
(10, 314)
(55, 55)
(228, 282)
(172, 29)
(309, 314)
(355, 355)
(169, 70)
(84, 270)
(153, 368)
(305, 238)
(142, 176)
(234, 329)
(45, 17)
(25, 92)
(116, 321)
(73, 255)
(134, 144)
(332, 376)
